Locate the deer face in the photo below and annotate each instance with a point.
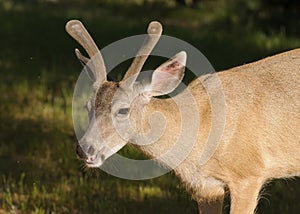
(113, 109)
(116, 109)
(100, 140)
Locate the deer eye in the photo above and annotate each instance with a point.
(123, 111)
(88, 106)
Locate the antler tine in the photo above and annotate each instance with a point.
(82, 58)
(154, 32)
(76, 29)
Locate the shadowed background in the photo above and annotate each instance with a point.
(38, 70)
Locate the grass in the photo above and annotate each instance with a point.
(38, 70)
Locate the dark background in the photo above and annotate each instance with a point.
(38, 70)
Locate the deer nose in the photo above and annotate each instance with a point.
(84, 152)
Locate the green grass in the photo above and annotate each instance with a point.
(39, 169)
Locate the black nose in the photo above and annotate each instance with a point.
(80, 152)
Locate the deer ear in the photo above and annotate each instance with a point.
(167, 76)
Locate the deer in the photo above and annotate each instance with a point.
(260, 141)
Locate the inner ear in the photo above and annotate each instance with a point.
(168, 76)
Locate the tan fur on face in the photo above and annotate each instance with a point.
(104, 98)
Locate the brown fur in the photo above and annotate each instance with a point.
(104, 98)
(261, 140)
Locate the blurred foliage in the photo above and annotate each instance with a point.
(39, 169)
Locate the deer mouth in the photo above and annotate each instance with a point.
(95, 160)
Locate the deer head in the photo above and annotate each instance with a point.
(117, 109)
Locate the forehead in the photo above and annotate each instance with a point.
(104, 96)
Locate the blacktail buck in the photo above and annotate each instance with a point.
(260, 140)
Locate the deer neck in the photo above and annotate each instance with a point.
(159, 126)
(172, 126)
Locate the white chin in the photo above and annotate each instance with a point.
(98, 161)
(94, 164)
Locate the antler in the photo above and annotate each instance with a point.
(76, 29)
(154, 32)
